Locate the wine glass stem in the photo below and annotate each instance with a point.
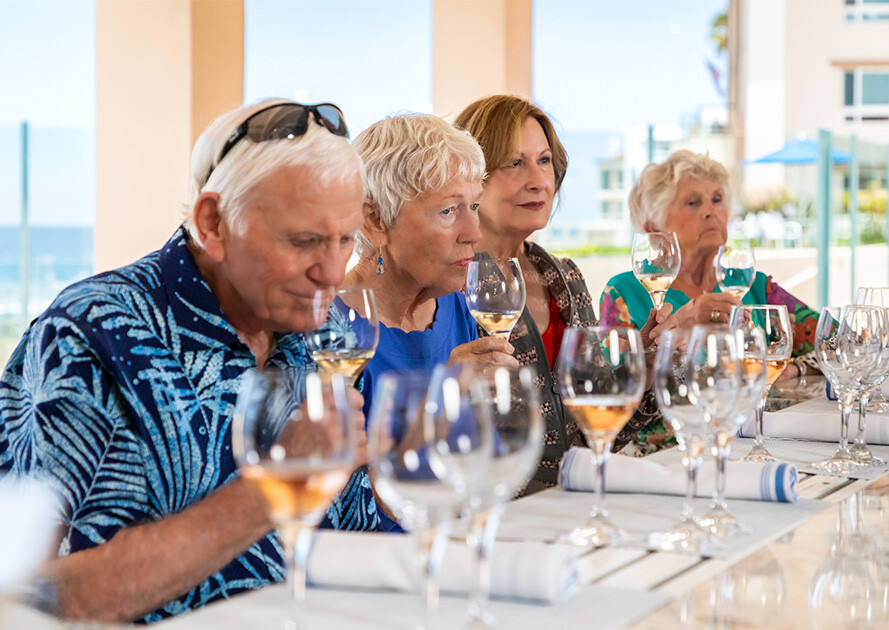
(297, 540)
(692, 461)
(484, 526)
(723, 441)
(760, 411)
(601, 449)
(431, 543)
(863, 402)
(846, 402)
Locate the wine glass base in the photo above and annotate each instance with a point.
(842, 463)
(685, 537)
(721, 523)
(480, 620)
(759, 453)
(864, 458)
(597, 533)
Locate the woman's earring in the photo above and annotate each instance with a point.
(380, 268)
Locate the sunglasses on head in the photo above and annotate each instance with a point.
(283, 121)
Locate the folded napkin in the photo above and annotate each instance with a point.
(771, 481)
(519, 570)
(819, 420)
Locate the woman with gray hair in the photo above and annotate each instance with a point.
(688, 195)
(421, 226)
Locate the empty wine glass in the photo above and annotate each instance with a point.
(656, 261)
(298, 449)
(601, 375)
(690, 428)
(713, 375)
(735, 270)
(428, 449)
(495, 294)
(870, 385)
(875, 296)
(847, 350)
(348, 336)
(774, 322)
(514, 406)
(753, 591)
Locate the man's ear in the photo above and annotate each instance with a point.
(373, 227)
(209, 225)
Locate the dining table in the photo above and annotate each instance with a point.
(822, 561)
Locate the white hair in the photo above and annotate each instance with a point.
(656, 187)
(330, 157)
(409, 155)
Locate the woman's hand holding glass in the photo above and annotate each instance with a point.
(656, 261)
(601, 376)
(298, 454)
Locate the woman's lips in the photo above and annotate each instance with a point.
(463, 262)
(533, 205)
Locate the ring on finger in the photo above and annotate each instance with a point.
(715, 315)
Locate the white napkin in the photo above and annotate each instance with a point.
(30, 517)
(818, 419)
(519, 570)
(771, 481)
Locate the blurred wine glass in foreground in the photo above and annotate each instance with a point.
(298, 449)
(656, 261)
(495, 294)
(601, 375)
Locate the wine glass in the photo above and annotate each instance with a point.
(298, 449)
(713, 375)
(429, 445)
(513, 403)
(846, 350)
(495, 294)
(870, 385)
(348, 336)
(656, 261)
(671, 393)
(753, 591)
(735, 270)
(601, 376)
(774, 321)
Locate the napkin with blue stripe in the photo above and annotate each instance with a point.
(770, 481)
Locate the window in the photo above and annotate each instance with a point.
(606, 179)
(866, 94)
(865, 10)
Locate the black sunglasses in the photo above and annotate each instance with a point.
(284, 120)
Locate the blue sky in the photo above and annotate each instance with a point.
(599, 65)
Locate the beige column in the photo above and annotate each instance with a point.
(165, 69)
(480, 47)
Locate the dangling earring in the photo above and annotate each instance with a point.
(380, 269)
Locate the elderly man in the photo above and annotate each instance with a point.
(121, 394)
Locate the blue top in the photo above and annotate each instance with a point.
(420, 349)
(120, 396)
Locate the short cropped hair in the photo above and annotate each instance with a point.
(656, 187)
(330, 157)
(497, 121)
(408, 155)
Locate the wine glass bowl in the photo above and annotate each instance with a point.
(656, 261)
(601, 376)
(495, 294)
(348, 334)
(298, 450)
(735, 270)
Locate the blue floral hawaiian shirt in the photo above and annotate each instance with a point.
(121, 396)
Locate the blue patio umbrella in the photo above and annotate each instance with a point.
(802, 151)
